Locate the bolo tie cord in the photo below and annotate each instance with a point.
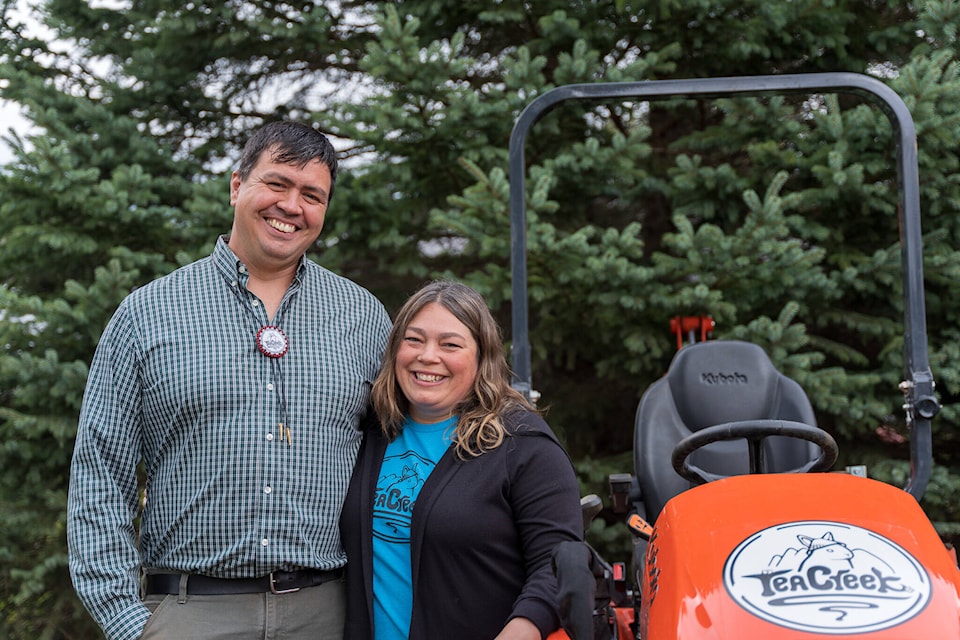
(283, 427)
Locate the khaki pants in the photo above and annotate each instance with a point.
(315, 613)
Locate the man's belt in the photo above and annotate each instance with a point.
(276, 582)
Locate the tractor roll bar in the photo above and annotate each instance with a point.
(920, 403)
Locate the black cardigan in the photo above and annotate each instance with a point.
(482, 535)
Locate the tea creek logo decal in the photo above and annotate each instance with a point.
(826, 577)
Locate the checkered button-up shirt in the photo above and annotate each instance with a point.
(246, 457)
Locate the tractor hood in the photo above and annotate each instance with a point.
(798, 556)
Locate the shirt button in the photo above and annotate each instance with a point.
(256, 303)
(267, 490)
(270, 437)
(269, 386)
(264, 542)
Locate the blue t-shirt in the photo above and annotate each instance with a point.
(407, 463)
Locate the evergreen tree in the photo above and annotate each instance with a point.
(776, 216)
(92, 207)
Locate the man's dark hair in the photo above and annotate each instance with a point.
(290, 143)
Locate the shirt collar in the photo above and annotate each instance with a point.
(230, 266)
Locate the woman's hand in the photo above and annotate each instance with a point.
(519, 629)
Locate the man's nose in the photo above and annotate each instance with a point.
(290, 202)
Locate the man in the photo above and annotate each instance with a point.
(239, 383)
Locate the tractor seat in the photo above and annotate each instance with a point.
(710, 383)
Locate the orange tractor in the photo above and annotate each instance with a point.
(740, 528)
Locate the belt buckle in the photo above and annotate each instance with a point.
(273, 586)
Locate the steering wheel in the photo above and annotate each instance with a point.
(754, 432)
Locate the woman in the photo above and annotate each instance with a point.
(460, 496)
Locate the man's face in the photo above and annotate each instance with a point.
(278, 212)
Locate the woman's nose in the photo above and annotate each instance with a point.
(428, 353)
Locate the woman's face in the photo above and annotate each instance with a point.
(436, 363)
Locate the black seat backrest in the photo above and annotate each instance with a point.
(711, 383)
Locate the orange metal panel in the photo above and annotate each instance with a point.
(798, 556)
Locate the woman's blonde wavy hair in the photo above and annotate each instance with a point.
(479, 425)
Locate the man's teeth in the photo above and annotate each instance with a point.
(281, 226)
(426, 377)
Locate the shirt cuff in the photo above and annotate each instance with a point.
(128, 625)
(543, 618)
